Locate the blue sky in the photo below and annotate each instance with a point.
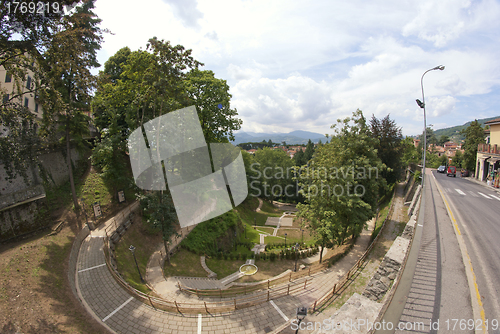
(297, 65)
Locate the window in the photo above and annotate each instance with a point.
(8, 77)
(36, 107)
(6, 98)
(28, 82)
(26, 102)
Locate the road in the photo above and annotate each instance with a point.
(478, 215)
(439, 285)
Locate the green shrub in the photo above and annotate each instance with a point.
(272, 257)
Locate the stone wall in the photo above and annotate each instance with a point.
(22, 201)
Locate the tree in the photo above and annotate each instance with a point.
(389, 148)
(211, 98)
(443, 139)
(299, 158)
(308, 153)
(71, 54)
(457, 160)
(275, 173)
(410, 153)
(341, 185)
(474, 135)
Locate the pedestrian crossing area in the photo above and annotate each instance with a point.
(476, 194)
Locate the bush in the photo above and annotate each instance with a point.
(219, 256)
(243, 256)
(226, 256)
(272, 257)
(257, 257)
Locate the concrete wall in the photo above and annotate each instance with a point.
(22, 219)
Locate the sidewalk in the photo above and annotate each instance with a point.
(106, 300)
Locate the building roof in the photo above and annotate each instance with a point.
(493, 121)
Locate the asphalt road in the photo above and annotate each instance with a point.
(477, 211)
(437, 293)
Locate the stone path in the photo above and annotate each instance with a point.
(120, 312)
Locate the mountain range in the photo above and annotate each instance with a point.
(296, 137)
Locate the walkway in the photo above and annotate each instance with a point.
(120, 312)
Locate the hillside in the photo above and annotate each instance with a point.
(454, 131)
(295, 137)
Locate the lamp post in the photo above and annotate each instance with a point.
(302, 236)
(301, 314)
(421, 104)
(132, 249)
(296, 251)
(285, 240)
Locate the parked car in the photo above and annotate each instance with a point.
(464, 173)
(441, 169)
(452, 170)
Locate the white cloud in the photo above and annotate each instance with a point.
(296, 65)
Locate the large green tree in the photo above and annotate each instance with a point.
(474, 135)
(66, 92)
(342, 183)
(389, 146)
(211, 98)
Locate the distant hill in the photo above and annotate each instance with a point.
(296, 137)
(454, 131)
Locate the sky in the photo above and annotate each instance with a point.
(301, 65)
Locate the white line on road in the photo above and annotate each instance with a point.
(473, 195)
(279, 311)
(448, 190)
(488, 197)
(199, 323)
(495, 197)
(460, 192)
(118, 309)
(80, 271)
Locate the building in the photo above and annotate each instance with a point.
(488, 155)
(20, 91)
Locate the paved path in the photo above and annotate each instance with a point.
(120, 312)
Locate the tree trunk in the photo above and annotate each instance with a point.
(321, 253)
(70, 169)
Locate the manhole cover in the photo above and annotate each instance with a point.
(248, 269)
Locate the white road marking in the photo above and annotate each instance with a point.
(80, 271)
(495, 197)
(488, 197)
(118, 309)
(460, 192)
(279, 311)
(473, 195)
(199, 323)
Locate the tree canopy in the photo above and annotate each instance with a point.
(474, 135)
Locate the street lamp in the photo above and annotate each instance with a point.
(296, 251)
(301, 314)
(285, 240)
(302, 236)
(132, 249)
(421, 104)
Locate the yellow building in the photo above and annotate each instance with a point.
(20, 91)
(488, 155)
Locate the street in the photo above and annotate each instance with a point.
(442, 288)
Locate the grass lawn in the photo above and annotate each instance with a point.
(293, 236)
(224, 268)
(145, 244)
(268, 269)
(184, 263)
